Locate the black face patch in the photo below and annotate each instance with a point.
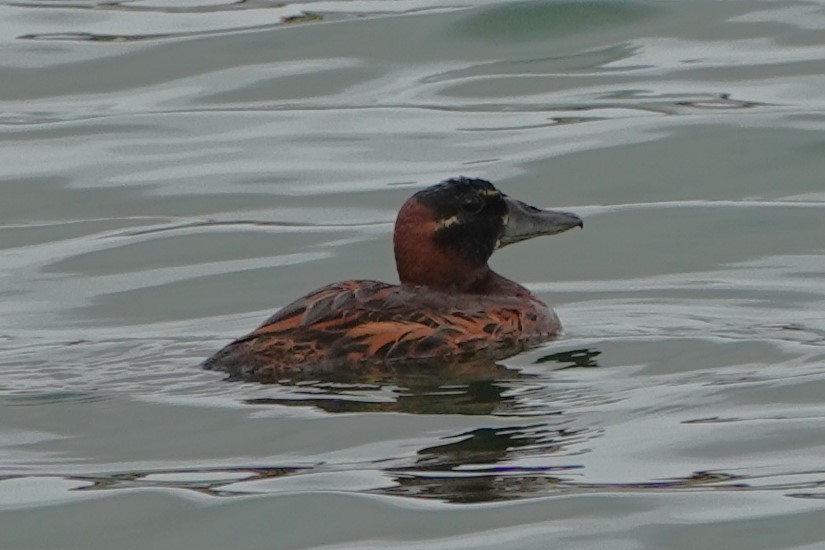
(469, 214)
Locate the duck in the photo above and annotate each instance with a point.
(450, 306)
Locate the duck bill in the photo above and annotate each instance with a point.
(525, 222)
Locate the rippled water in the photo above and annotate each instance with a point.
(172, 172)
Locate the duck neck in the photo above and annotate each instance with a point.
(450, 277)
(443, 272)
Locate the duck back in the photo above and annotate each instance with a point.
(359, 324)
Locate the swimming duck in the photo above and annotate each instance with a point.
(450, 305)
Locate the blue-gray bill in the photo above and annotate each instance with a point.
(525, 222)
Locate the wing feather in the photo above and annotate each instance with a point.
(358, 322)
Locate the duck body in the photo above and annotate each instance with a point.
(450, 306)
(359, 324)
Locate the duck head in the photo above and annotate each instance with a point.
(445, 234)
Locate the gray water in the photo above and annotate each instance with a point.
(173, 171)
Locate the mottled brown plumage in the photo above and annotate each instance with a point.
(450, 306)
(355, 323)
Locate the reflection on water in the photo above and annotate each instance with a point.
(474, 398)
(572, 359)
(462, 472)
(172, 171)
(474, 466)
(471, 388)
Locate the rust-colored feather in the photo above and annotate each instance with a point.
(358, 323)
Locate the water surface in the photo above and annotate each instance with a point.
(173, 172)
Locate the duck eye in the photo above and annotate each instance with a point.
(472, 204)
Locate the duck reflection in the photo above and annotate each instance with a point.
(469, 388)
(480, 465)
(473, 468)
(461, 487)
(485, 446)
(572, 359)
(479, 387)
